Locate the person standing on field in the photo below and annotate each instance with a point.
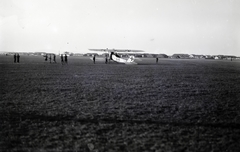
(94, 59)
(18, 58)
(66, 59)
(62, 58)
(54, 58)
(156, 59)
(15, 57)
(46, 57)
(106, 59)
(50, 58)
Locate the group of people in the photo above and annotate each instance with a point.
(50, 58)
(64, 58)
(16, 58)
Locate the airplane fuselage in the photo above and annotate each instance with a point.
(116, 58)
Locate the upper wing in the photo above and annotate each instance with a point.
(99, 50)
(117, 50)
(122, 50)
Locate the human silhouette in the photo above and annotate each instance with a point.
(156, 59)
(54, 58)
(18, 58)
(106, 59)
(15, 57)
(94, 59)
(62, 58)
(46, 57)
(50, 58)
(66, 59)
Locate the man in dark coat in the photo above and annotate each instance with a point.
(62, 58)
(50, 58)
(66, 59)
(15, 57)
(94, 59)
(54, 58)
(18, 58)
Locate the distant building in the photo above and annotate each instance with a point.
(209, 57)
(198, 56)
(78, 54)
(181, 56)
(161, 56)
(148, 55)
(216, 57)
(38, 53)
(139, 55)
(90, 54)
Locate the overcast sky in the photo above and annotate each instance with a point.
(160, 26)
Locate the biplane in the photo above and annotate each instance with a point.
(112, 55)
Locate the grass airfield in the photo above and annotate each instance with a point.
(175, 105)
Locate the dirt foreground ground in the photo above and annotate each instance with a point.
(175, 105)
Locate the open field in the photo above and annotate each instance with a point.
(175, 105)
